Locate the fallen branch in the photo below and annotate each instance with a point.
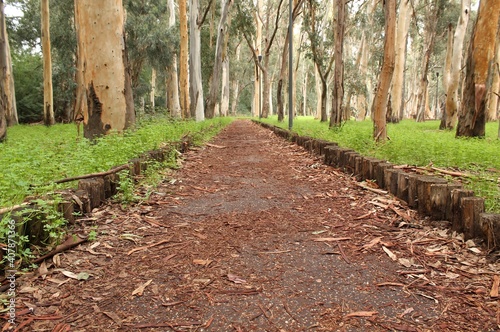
(343, 254)
(94, 175)
(70, 243)
(148, 246)
(458, 174)
(378, 191)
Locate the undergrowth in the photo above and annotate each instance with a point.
(35, 156)
(420, 144)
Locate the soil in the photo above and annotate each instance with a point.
(252, 233)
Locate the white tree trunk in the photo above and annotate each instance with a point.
(236, 84)
(184, 61)
(153, 89)
(258, 48)
(225, 87)
(104, 82)
(399, 65)
(317, 76)
(196, 85)
(173, 103)
(456, 66)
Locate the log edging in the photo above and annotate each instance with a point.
(431, 196)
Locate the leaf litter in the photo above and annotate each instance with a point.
(223, 250)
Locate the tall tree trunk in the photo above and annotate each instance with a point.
(11, 108)
(338, 85)
(494, 91)
(297, 4)
(258, 48)
(399, 64)
(363, 70)
(305, 74)
(472, 116)
(456, 66)
(319, 83)
(224, 105)
(105, 82)
(173, 103)
(153, 89)
(48, 99)
(215, 81)
(183, 63)
(196, 84)
(4, 99)
(447, 71)
(236, 84)
(433, 13)
(380, 100)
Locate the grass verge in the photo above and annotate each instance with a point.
(34, 156)
(420, 144)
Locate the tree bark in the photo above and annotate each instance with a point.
(215, 81)
(456, 66)
(183, 63)
(3, 70)
(106, 90)
(11, 109)
(479, 70)
(196, 85)
(258, 48)
(399, 64)
(173, 103)
(297, 4)
(236, 84)
(48, 99)
(447, 71)
(224, 105)
(338, 88)
(494, 91)
(380, 100)
(153, 89)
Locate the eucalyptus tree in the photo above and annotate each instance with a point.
(103, 79)
(172, 84)
(479, 70)
(8, 89)
(338, 81)
(222, 34)
(183, 61)
(432, 11)
(3, 67)
(455, 64)
(318, 27)
(48, 97)
(379, 106)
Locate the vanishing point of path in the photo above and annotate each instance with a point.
(254, 234)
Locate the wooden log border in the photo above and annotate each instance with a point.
(432, 196)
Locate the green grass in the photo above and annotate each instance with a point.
(420, 144)
(34, 156)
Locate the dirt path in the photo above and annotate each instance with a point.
(254, 234)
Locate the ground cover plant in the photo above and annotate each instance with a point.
(420, 144)
(34, 156)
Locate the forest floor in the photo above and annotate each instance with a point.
(254, 234)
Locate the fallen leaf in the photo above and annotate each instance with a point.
(57, 260)
(42, 270)
(372, 242)
(235, 279)
(390, 253)
(475, 250)
(405, 262)
(361, 314)
(114, 317)
(319, 232)
(83, 276)
(451, 275)
(203, 262)
(140, 290)
(494, 288)
(70, 274)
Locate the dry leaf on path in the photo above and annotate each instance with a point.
(361, 314)
(390, 253)
(234, 278)
(203, 262)
(494, 288)
(140, 290)
(43, 270)
(372, 243)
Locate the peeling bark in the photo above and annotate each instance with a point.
(48, 99)
(105, 89)
(3, 70)
(472, 117)
(183, 63)
(173, 103)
